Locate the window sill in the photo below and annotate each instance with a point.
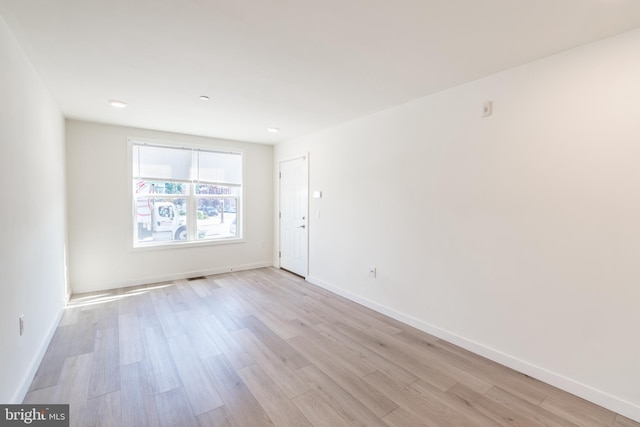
(158, 246)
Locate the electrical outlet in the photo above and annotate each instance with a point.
(372, 272)
(21, 323)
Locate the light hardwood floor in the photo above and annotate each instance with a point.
(263, 348)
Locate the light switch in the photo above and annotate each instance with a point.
(487, 109)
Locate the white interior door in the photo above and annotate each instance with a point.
(294, 215)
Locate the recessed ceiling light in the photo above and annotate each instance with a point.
(204, 98)
(273, 130)
(117, 104)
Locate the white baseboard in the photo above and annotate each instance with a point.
(164, 278)
(606, 400)
(34, 364)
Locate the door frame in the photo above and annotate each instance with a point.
(305, 157)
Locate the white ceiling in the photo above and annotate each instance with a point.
(298, 65)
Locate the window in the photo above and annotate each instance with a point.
(185, 194)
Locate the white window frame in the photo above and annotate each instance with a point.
(191, 197)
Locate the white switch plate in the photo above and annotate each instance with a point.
(372, 272)
(487, 109)
(317, 194)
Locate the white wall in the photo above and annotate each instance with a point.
(99, 211)
(517, 235)
(32, 218)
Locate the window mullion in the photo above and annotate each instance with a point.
(191, 214)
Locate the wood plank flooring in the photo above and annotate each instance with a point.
(265, 348)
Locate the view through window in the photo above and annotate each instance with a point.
(185, 194)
